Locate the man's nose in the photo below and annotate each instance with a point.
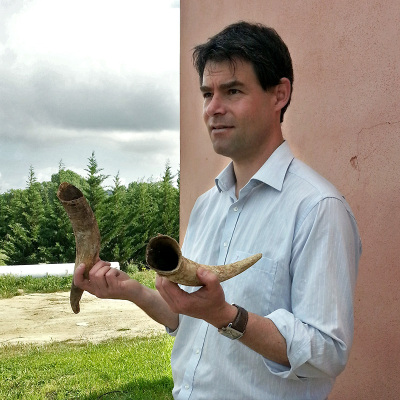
(215, 106)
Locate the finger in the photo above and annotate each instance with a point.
(158, 282)
(170, 292)
(161, 285)
(207, 278)
(113, 272)
(79, 278)
(98, 266)
(211, 289)
(111, 275)
(99, 280)
(169, 287)
(99, 270)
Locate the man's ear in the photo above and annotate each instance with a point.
(282, 92)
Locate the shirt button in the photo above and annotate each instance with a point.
(186, 387)
(235, 209)
(197, 351)
(225, 244)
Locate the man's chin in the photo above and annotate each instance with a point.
(221, 150)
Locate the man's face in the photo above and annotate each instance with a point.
(238, 113)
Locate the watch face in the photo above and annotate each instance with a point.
(230, 333)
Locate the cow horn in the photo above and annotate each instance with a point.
(86, 231)
(164, 256)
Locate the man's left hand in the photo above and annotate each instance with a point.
(207, 303)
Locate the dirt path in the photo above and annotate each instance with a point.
(41, 318)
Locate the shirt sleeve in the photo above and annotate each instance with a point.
(319, 328)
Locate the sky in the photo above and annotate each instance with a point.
(78, 76)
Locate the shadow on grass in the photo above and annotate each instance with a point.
(140, 389)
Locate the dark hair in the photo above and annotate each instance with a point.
(254, 43)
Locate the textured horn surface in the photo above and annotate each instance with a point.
(164, 256)
(86, 232)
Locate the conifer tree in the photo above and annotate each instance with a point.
(113, 223)
(141, 220)
(23, 242)
(4, 218)
(34, 227)
(57, 230)
(168, 205)
(95, 194)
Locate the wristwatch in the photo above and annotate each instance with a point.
(235, 330)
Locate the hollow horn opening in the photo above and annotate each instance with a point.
(68, 192)
(162, 254)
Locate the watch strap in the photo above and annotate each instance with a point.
(240, 322)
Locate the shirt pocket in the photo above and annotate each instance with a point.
(253, 289)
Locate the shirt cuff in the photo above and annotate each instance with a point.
(173, 332)
(298, 346)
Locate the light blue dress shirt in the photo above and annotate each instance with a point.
(304, 283)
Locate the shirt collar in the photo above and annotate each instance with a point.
(272, 172)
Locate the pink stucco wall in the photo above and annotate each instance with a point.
(344, 121)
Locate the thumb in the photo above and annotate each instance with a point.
(207, 277)
(78, 274)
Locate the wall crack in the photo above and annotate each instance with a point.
(354, 160)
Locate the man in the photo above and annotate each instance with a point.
(282, 329)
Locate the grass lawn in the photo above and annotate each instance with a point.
(119, 369)
(11, 286)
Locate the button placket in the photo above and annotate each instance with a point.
(187, 383)
(230, 224)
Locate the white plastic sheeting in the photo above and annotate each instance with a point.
(41, 270)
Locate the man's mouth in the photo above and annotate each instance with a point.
(220, 128)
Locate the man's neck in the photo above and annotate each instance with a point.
(245, 169)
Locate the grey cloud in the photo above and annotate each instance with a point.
(49, 112)
(141, 157)
(50, 98)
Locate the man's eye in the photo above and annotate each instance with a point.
(233, 91)
(207, 95)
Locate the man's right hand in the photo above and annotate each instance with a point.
(110, 283)
(106, 282)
